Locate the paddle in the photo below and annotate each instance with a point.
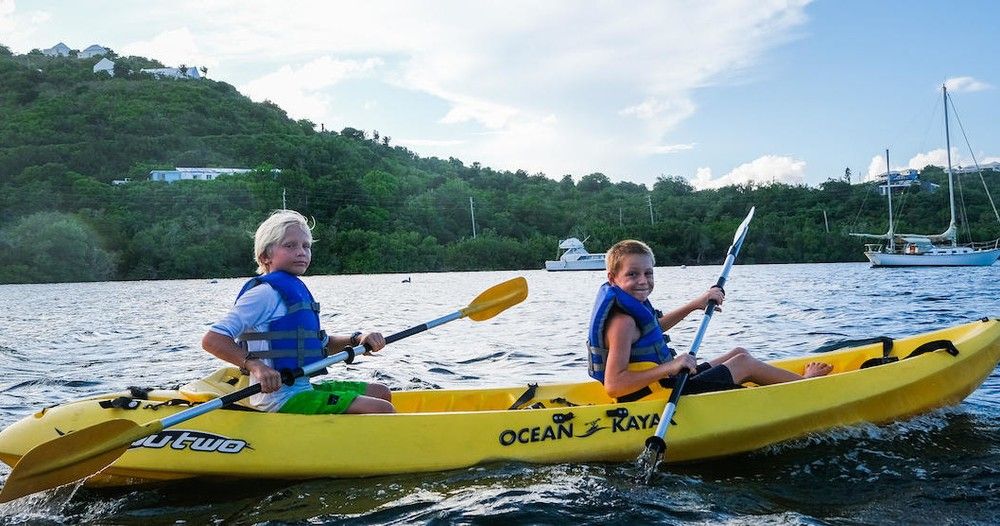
(85, 452)
(655, 445)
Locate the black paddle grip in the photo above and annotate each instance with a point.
(239, 395)
(408, 332)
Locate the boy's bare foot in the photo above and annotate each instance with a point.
(814, 369)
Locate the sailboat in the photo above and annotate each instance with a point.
(922, 250)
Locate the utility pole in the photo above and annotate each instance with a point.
(472, 212)
(649, 201)
(620, 223)
(825, 222)
(284, 206)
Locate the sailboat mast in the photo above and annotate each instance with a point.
(888, 190)
(951, 181)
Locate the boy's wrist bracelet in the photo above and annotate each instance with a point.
(243, 368)
(356, 339)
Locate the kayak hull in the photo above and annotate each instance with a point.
(575, 422)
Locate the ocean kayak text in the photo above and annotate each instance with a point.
(527, 435)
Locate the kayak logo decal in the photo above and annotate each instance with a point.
(181, 439)
(618, 424)
(592, 427)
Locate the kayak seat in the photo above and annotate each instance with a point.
(220, 383)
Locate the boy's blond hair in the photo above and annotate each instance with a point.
(272, 231)
(627, 247)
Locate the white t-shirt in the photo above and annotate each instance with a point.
(252, 312)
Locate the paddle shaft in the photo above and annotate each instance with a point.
(657, 441)
(681, 379)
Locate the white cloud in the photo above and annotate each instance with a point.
(652, 108)
(965, 84)
(172, 48)
(875, 167)
(762, 170)
(17, 27)
(435, 143)
(7, 8)
(938, 157)
(300, 91)
(702, 178)
(466, 109)
(672, 148)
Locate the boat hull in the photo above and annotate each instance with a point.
(980, 258)
(575, 265)
(447, 429)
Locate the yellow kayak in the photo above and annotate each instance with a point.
(574, 422)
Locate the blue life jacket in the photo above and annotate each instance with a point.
(296, 339)
(648, 351)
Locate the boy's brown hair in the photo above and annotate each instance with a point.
(627, 247)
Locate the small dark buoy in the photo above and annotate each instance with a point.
(407, 280)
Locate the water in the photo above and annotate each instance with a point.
(66, 341)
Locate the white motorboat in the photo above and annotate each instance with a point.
(573, 256)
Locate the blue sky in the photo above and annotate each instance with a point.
(717, 92)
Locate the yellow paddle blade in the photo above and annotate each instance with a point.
(497, 299)
(72, 457)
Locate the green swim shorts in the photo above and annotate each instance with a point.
(326, 398)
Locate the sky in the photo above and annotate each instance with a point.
(717, 92)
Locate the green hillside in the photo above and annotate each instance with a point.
(66, 134)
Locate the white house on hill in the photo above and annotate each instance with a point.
(193, 174)
(93, 51)
(175, 73)
(58, 50)
(986, 167)
(106, 66)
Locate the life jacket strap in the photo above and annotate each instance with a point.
(282, 335)
(300, 352)
(305, 305)
(648, 353)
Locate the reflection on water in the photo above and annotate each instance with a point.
(65, 341)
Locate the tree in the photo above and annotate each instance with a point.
(353, 133)
(594, 182)
(53, 247)
(121, 70)
(847, 175)
(379, 184)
